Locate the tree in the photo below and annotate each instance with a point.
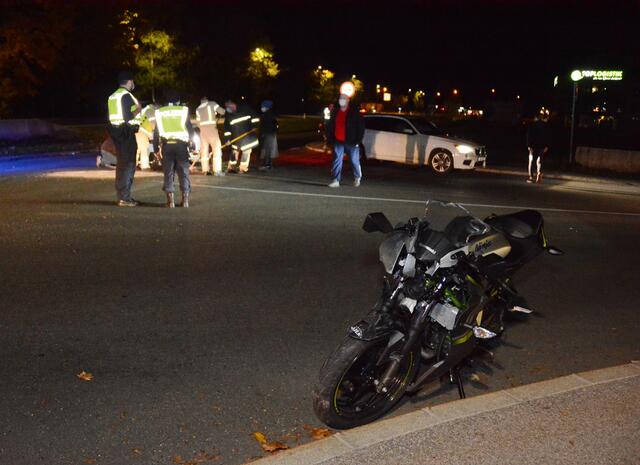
(262, 69)
(323, 89)
(30, 47)
(157, 60)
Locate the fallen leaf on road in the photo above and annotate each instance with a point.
(85, 376)
(318, 433)
(136, 451)
(89, 461)
(269, 446)
(274, 446)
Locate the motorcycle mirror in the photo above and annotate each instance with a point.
(554, 251)
(377, 222)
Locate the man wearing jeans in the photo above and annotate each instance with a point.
(345, 130)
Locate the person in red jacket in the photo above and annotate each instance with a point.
(345, 130)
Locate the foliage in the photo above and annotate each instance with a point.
(323, 88)
(30, 46)
(262, 66)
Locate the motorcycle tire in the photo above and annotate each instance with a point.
(345, 395)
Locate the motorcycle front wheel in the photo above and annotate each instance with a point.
(346, 394)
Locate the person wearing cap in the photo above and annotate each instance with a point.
(124, 110)
(538, 144)
(145, 134)
(239, 122)
(206, 115)
(268, 135)
(173, 133)
(345, 130)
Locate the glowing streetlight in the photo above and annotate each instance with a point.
(493, 91)
(438, 94)
(455, 91)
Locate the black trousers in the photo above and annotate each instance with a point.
(175, 158)
(124, 138)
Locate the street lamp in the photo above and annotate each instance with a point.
(576, 76)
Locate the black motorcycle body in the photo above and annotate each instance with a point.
(446, 290)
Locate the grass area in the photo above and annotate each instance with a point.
(296, 124)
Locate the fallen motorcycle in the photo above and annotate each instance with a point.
(447, 287)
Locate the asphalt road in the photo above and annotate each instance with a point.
(203, 326)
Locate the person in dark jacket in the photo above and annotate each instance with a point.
(268, 135)
(239, 123)
(345, 130)
(538, 144)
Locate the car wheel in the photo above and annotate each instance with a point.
(441, 161)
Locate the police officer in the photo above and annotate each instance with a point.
(124, 109)
(173, 133)
(240, 121)
(206, 115)
(144, 134)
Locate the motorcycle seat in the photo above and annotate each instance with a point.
(521, 225)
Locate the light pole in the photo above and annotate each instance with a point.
(575, 77)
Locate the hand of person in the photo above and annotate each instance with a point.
(546, 149)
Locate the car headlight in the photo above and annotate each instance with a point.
(465, 149)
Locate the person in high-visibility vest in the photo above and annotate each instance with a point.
(145, 134)
(238, 124)
(124, 110)
(206, 115)
(173, 133)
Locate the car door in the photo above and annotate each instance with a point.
(393, 139)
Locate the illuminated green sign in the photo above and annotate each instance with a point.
(599, 75)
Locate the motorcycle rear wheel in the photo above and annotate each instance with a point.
(346, 395)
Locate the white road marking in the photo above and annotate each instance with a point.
(386, 199)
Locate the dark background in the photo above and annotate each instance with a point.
(514, 47)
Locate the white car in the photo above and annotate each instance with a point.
(415, 141)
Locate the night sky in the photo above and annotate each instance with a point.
(516, 47)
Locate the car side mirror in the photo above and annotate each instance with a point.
(377, 222)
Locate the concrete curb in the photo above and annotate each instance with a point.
(345, 442)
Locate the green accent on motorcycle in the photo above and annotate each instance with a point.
(544, 238)
(462, 339)
(452, 297)
(472, 281)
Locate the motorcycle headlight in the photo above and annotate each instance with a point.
(196, 139)
(464, 149)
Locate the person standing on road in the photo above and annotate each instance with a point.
(345, 130)
(173, 133)
(538, 144)
(124, 110)
(206, 115)
(145, 134)
(239, 124)
(268, 135)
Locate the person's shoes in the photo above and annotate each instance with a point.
(209, 173)
(232, 170)
(185, 200)
(127, 203)
(529, 179)
(356, 182)
(243, 171)
(334, 183)
(539, 177)
(219, 173)
(170, 200)
(264, 168)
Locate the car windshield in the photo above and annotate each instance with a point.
(425, 127)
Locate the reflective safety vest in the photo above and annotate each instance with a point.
(116, 115)
(206, 114)
(172, 122)
(148, 120)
